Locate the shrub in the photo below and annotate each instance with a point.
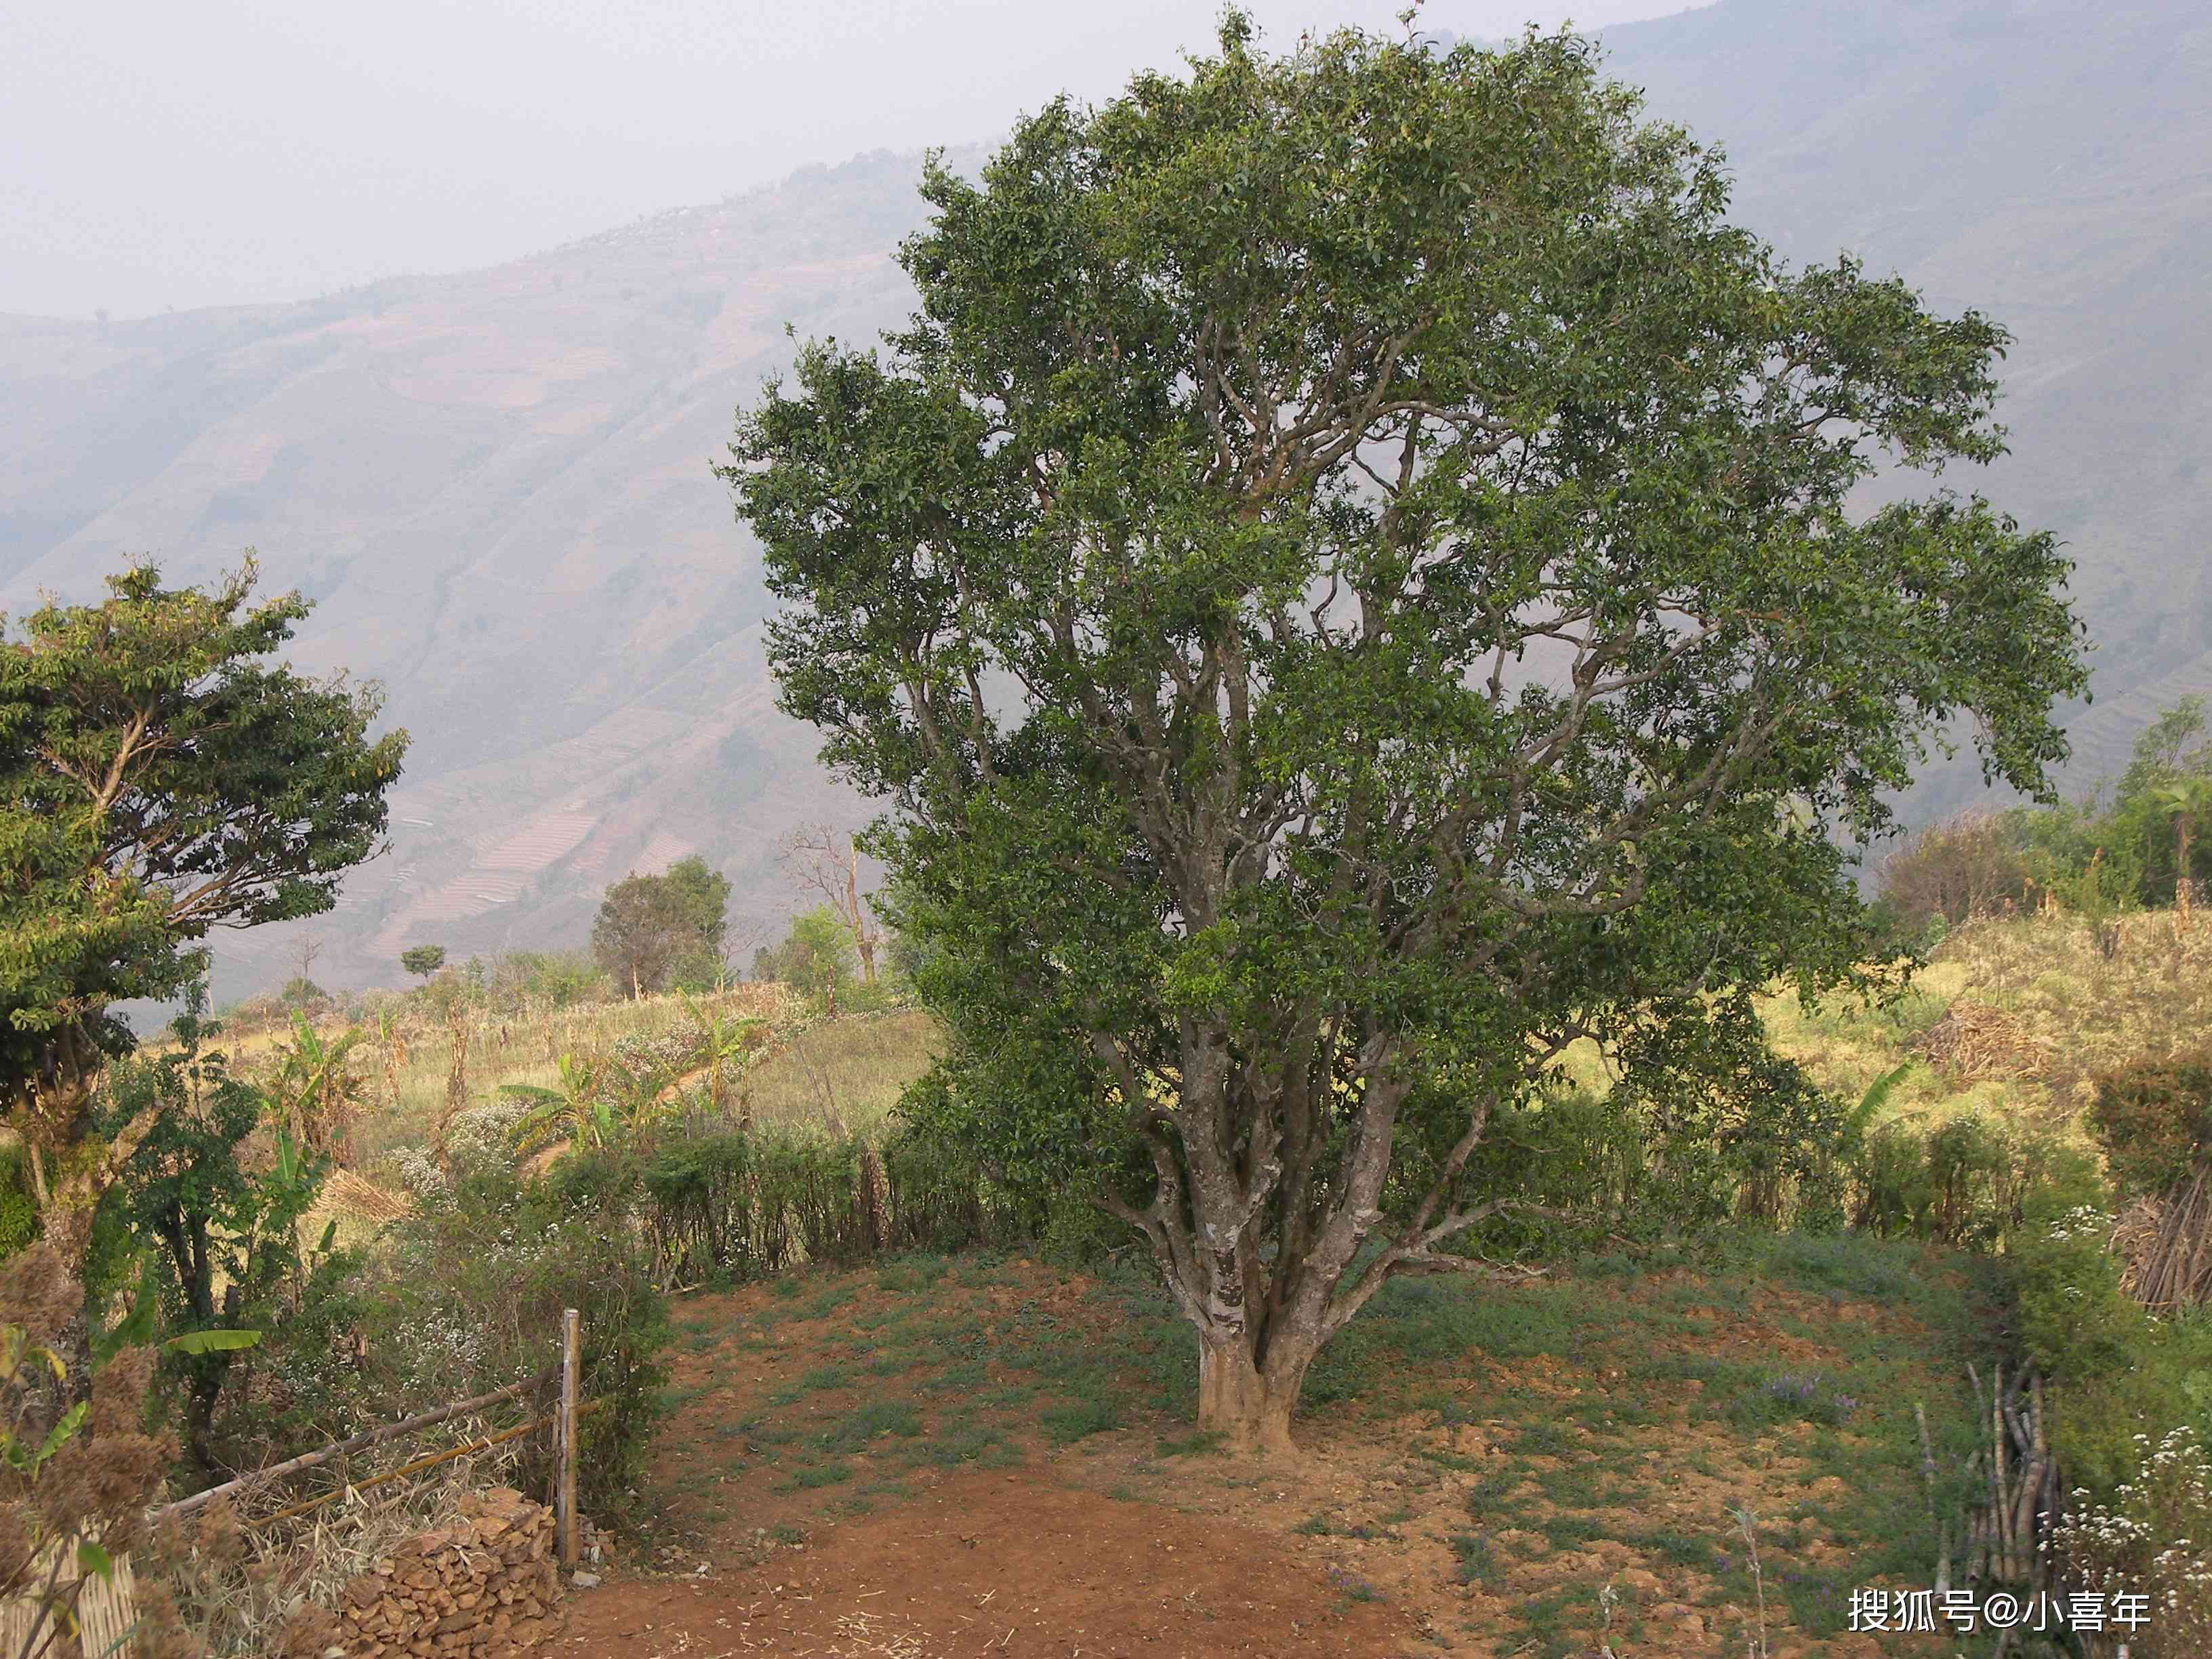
(2077, 1322)
(1963, 1183)
(1895, 1191)
(2121, 1378)
(1677, 1158)
(2152, 1540)
(810, 1190)
(717, 1201)
(698, 1205)
(940, 1198)
(2153, 1120)
(817, 957)
(219, 1238)
(1079, 1234)
(1963, 867)
(465, 1294)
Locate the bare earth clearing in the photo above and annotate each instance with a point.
(970, 1458)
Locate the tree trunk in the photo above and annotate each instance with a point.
(71, 1196)
(1247, 1404)
(2181, 894)
(70, 1168)
(863, 940)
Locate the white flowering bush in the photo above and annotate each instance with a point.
(467, 1296)
(2153, 1538)
(2083, 1221)
(419, 1172)
(483, 1137)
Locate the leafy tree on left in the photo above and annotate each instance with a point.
(164, 776)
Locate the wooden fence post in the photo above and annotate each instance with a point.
(564, 1488)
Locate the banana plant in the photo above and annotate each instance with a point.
(577, 1112)
(315, 1091)
(2182, 800)
(1876, 1096)
(725, 1040)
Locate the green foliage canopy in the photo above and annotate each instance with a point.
(655, 930)
(163, 777)
(422, 960)
(1349, 585)
(817, 955)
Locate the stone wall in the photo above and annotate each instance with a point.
(486, 1587)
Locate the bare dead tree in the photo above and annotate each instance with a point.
(305, 950)
(825, 862)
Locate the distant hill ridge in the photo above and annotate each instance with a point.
(497, 482)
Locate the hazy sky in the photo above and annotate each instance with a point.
(155, 154)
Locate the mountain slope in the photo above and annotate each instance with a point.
(2049, 162)
(497, 482)
(497, 487)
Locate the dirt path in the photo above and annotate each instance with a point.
(991, 1565)
(958, 1459)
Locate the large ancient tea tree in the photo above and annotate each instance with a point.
(1349, 583)
(164, 776)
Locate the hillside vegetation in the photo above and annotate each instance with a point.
(2014, 1016)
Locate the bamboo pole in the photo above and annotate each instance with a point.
(2000, 1550)
(416, 1468)
(1943, 1539)
(199, 1500)
(564, 1503)
(422, 1463)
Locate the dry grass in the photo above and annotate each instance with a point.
(852, 1070)
(2011, 1018)
(2014, 1016)
(847, 1071)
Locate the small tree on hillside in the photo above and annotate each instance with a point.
(422, 960)
(814, 958)
(2184, 801)
(301, 993)
(829, 863)
(652, 929)
(2163, 793)
(1958, 869)
(1349, 585)
(160, 776)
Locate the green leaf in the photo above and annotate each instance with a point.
(212, 1341)
(58, 1435)
(90, 1558)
